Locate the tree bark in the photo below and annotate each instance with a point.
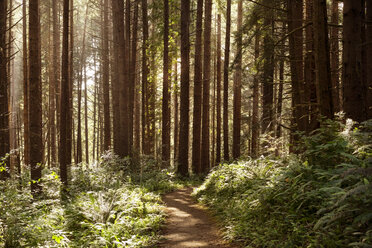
(238, 85)
(176, 119)
(63, 160)
(128, 82)
(369, 56)
(335, 55)
(145, 72)
(309, 71)
(26, 86)
(354, 92)
(4, 113)
(255, 123)
(35, 100)
(106, 78)
(322, 59)
(198, 85)
(218, 111)
(166, 95)
(183, 155)
(268, 72)
(205, 148)
(226, 84)
(118, 30)
(295, 19)
(134, 79)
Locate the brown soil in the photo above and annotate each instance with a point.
(188, 224)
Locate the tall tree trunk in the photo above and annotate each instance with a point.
(116, 80)
(309, 70)
(205, 148)
(79, 149)
(268, 71)
(218, 112)
(63, 159)
(226, 84)
(335, 55)
(145, 72)
(166, 95)
(369, 56)
(82, 70)
(86, 115)
(354, 92)
(198, 84)
(106, 78)
(35, 100)
(4, 112)
(322, 60)
(280, 96)
(134, 80)
(25, 87)
(238, 85)
(70, 84)
(118, 19)
(128, 82)
(295, 19)
(183, 155)
(255, 123)
(175, 96)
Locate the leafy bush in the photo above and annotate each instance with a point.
(321, 198)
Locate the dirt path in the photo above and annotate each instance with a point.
(188, 225)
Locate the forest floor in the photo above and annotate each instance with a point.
(189, 224)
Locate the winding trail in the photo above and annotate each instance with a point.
(188, 224)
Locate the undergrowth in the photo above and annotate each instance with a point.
(107, 204)
(321, 198)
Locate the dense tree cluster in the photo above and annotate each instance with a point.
(190, 83)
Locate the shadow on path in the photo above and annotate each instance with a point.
(188, 225)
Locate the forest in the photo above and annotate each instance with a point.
(186, 123)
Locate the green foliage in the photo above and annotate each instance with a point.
(321, 198)
(105, 206)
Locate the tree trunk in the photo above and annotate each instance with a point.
(255, 123)
(118, 30)
(116, 80)
(35, 100)
(106, 78)
(165, 106)
(354, 92)
(335, 55)
(63, 160)
(218, 112)
(198, 84)
(128, 82)
(268, 72)
(322, 60)
(295, 19)
(4, 114)
(134, 92)
(86, 114)
(145, 72)
(238, 85)
(309, 71)
(79, 150)
(175, 133)
(205, 148)
(70, 85)
(25, 86)
(183, 156)
(369, 56)
(226, 84)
